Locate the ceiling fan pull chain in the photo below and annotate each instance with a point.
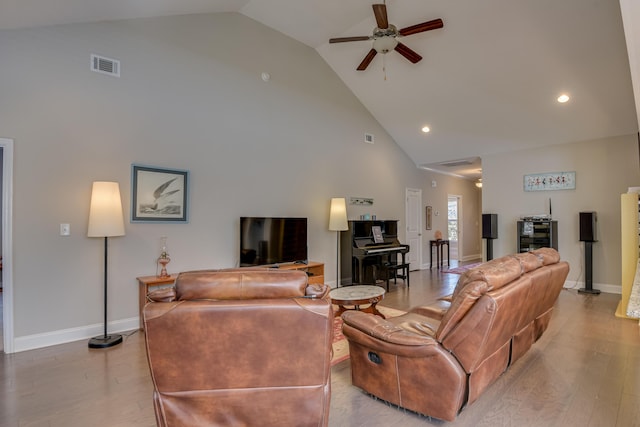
(384, 66)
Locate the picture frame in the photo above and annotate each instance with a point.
(159, 194)
(428, 218)
(549, 181)
(361, 201)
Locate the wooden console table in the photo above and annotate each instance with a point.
(147, 282)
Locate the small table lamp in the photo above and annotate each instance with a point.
(105, 220)
(338, 222)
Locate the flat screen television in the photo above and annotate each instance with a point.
(267, 240)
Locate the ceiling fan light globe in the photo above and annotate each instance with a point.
(385, 44)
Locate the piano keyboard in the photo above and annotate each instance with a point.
(383, 249)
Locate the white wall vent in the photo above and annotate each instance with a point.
(368, 138)
(101, 64)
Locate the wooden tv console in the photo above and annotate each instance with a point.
(315, 270)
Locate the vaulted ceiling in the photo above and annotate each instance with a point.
(487, 83)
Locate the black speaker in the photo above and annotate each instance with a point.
(588, 223)
(489, 226)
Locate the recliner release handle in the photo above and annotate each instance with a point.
(374, 358)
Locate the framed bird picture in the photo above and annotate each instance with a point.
(158, 194)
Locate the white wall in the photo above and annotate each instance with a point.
(604, 170)
(190, 97)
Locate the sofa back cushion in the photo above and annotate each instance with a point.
(240, 284)
(488, 324)
(473, 284)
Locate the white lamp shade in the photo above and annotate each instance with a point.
(105, 213)
(338, 215)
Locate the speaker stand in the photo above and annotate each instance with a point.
(588, 274)
(489, 249)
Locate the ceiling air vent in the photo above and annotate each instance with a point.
(103, 65)
(456, 163)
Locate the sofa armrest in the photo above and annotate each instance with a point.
(377, 327)
(162, 295)
(435, 310)
(317, 291)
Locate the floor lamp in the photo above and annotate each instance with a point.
(105, 220)
(338, 223)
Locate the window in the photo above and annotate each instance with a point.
(452, 217)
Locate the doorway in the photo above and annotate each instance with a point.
(454, 225)
(413, 214)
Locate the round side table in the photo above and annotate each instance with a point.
(356, 296)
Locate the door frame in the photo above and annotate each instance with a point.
(7, 243)
(458, 198)
(418, 216)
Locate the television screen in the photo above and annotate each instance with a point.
(266, 240)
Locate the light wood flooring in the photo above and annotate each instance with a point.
(585, 371)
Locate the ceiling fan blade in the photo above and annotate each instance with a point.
(380, 11)
(419, 28)
(367, 60)
(349, 39)
(411, 55)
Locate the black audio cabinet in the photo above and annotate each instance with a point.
(537, 234)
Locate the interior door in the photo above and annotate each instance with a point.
(6, 183)
(413, 213)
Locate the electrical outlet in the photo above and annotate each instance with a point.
(65, 229)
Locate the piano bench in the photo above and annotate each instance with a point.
(390, 270)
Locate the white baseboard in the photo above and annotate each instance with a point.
(602, 287)
(472, 257)
(30, 342)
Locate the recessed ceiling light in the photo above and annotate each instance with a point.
(563, 98)
(426, 129)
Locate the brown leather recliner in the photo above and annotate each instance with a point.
(240, 348)
(438, 358)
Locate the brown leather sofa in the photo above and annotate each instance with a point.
(240, 348)
(436, 359)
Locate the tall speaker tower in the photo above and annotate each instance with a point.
(490, 232)
(588, 228)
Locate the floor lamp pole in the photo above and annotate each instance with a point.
(105, 340)
(337, 259)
